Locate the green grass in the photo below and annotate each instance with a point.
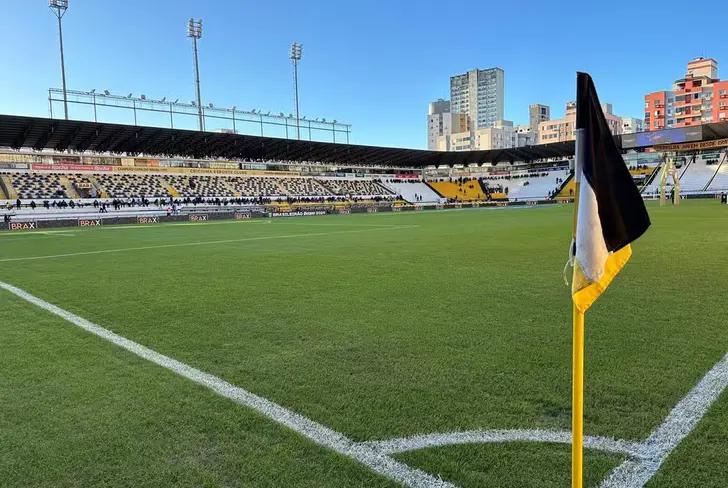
(460, 321)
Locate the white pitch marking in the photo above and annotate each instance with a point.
(646, 457)
(404, 444)
(198, 243)
(369, 456)
(667, 436)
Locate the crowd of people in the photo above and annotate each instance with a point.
(135, 202)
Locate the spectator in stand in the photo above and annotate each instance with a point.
(18, 203)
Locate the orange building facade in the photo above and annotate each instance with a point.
(698, 98)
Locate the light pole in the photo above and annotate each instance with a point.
(194, 30)
(59, 8)
(296, 51)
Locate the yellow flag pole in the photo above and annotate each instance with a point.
(577, 350)
(577, 400)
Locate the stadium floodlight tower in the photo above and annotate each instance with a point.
(194, 30)
(296, 51)
(59, 8)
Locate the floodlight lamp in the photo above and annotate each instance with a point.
(58, 4)
(107, 92)
(210, 105)
(194, 28)
(296, 51)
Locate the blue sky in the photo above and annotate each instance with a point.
(373, 63)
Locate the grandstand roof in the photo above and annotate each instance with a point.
(41, 133)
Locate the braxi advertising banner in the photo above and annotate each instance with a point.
(148, 220)
(89, 222)
(70, 167)
(198, 217)
(22, 226)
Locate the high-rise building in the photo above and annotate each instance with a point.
(441, 123)
(538, 113)
(478, 94)
(697, 98)
(561, 130)
(502, 135)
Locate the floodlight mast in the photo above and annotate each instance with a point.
(296, 51)
(194, 30)
(59, 8)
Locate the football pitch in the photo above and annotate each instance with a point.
(415, 348)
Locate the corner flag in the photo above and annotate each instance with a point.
(608, 215)
(611, 213)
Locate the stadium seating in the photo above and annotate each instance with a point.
(132, 185)
(465, 191)
(37, 185)
(200, 186)
(257, 186)
(409, 189)
(533, 185)
(696, 176)
(720, 181)
(303, 187)
(355, 187)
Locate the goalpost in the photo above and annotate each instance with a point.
(669, 170)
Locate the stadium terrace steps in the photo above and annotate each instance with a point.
(7, 188)
(100, 191)
(66, 184)
(467, 191)
(567, 188)
(408, 189)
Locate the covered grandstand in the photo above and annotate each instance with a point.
(69, 167)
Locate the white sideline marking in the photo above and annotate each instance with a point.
(369, 456)
(645, 458)
(23, 235)
(677, 425)
(202, 243)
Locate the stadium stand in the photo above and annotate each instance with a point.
(720, 180)
(532, 185)
(695, 177)
(199, 186)
(355, 187)
(303, 187)
(257, 186)
(468, 190)
(413, 191)
(37, 185)
(131, 185)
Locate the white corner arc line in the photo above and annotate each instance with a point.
(496, 436)
(200, 243)
(369, 456)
